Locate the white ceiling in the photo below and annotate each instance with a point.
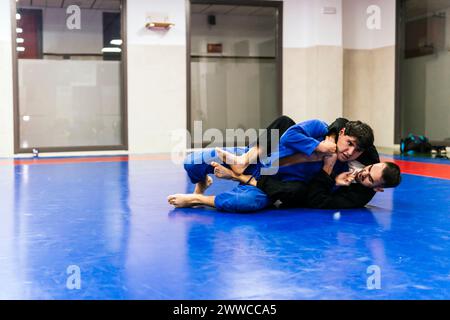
(84, 4)
(211, 9)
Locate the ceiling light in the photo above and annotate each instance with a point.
(116, 50)
(117, 42)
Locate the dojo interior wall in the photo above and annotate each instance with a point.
(332, 66)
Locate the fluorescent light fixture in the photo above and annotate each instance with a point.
(115, 50)
(26, 118)
(18, 16)
(117, 42)
(19, 30)
(20, 40)
(20, 49)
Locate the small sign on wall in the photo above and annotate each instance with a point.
(214, 48)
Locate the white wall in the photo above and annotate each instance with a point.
(305, 24)
(138, 10)
(312, 60)
(156, 76)
(6, 83)
(369, 67)
(355, 31)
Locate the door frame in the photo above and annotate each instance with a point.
(398, 77)
(278, 50)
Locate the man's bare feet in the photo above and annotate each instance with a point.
(201, 187)
(183, 200)
(222, 172)
(191, 200)
(237, 163)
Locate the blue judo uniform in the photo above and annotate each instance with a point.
(303, 138)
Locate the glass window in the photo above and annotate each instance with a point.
(234, 66)
(425, 69)
(69, 69)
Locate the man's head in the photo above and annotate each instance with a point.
(379, 176)
(353, 139)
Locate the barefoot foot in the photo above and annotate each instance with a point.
(237, 163)
(183, 200)
(222, 172)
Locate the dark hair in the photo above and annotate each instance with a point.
(362, 132)
(391, 175)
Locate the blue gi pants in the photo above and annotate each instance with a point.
(242, 198)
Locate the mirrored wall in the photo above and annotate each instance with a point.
(424, 65)
(69, 75)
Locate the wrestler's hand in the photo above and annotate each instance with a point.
(327, 146)
(345, 179)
